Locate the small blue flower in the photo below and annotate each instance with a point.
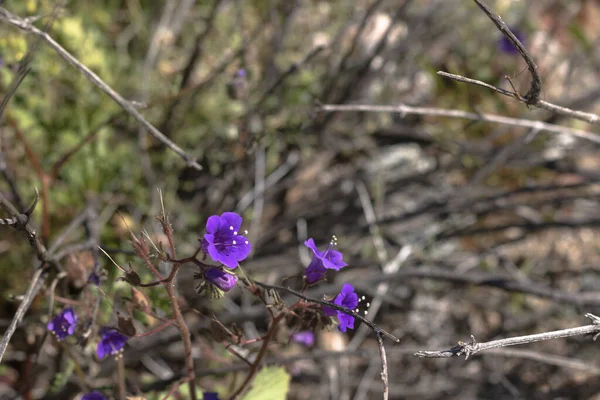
(210, 396)
(306, 338)
(347, 299)
(222, 241)
(506, 46)
(322, 261)
(63, 324)
(111, 343)
(221, 279)
(93, 396)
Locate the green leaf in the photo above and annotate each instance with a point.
(271, 383)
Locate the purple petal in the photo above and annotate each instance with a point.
(93, 396)
(315, 271)
(213, 224)
(332, 265)
(231, 219)
(103, 349)
(214, 253)
(347, 298)
(346, 321)
(242, 247)
(310, 243)
(336, 257)
(220, 278)
(205, 243)
(329, 312)
(228, 260)
(69, 315)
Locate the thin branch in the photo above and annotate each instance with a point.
(370, 324)
(26, 26)
(472, 347)
(443, 112)
(34, 288)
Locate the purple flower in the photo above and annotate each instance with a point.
(306, 338)
(221, 279)
(112, 342)
(347, 299)
(63, 324)
(93, 396)
(506, 46)
(222, 241)
(210, 396)
(322, 261)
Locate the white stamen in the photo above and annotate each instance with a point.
(364, 298)
(233, 241)
(231, 228)
(246, 231)
(235, 232)
(366, 312)
(368, 304)
(246, 242)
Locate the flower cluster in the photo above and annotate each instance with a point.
(111, 342)
(322, 261)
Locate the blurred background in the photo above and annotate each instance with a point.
(480, 229)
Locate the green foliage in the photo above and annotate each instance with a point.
(61, 379)
(271, 383)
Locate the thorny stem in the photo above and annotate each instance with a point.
(183, 328)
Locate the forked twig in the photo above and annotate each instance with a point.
(532, 98)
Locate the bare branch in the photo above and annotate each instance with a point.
(443, 112)
(26, 26)
(472, 347)
(384, 367)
